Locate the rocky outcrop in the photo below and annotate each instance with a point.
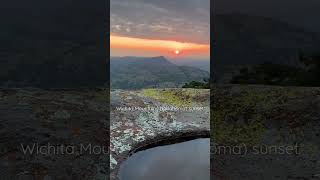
(64, 129)
(153, 117)
(268, 132)
(67, 130)
(265, 117)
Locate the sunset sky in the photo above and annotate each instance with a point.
(175, 28)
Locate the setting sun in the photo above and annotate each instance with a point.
(131, 46)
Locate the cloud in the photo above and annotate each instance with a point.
(187, 20)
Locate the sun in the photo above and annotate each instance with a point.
(177, 52)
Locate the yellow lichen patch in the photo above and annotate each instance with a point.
(175, 97)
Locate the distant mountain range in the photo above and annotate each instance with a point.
(142, 72)
(241, 39)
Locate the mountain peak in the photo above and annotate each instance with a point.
(160, 59)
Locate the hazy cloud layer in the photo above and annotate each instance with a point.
(303, 13)
(179, 20)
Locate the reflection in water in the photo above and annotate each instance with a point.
(182, 161)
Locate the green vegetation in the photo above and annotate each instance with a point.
(268, 74)
(284, 75)
(198, 85)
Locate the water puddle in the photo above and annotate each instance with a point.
(188, 160)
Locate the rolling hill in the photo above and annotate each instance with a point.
(140, 72)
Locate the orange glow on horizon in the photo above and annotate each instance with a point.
(162, 47)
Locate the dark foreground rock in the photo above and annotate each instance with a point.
(70, 126)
